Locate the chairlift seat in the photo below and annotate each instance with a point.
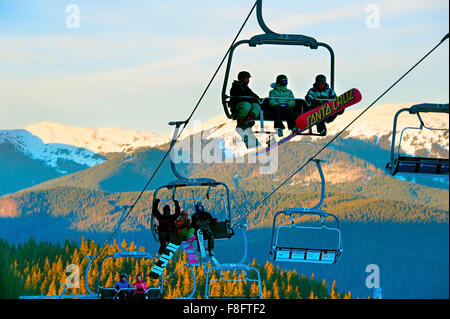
(305, 255)
(154, 293)
(420, 165)
(222, 230)
(107, 293)
(268, 114)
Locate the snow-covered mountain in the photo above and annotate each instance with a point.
(54, 143)
(98, 140)
(55, 155)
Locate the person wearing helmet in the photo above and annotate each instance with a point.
(166, 227)
(244, 102)
(318, 95)
(282, 105)
(122, 285)
(185, 231)
(140, 288)
(204, 221)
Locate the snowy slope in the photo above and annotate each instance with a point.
(52, 154)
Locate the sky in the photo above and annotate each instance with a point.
(140, 64)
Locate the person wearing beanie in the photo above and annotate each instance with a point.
(319, 94)
(282, 105)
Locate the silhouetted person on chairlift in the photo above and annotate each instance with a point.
(245, 108)
(166, 221)
(244, 102)
(204, 221)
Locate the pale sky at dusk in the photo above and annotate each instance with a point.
(140, 64)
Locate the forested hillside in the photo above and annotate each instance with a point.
(40, 269)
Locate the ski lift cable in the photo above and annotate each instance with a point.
(340, 133)
(181, 131)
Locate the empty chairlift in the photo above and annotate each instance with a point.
(310, 253)
(405, 164)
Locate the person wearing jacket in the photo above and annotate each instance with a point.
(140, 288)
(282, 105)
(122, 285)
(204, 221)
(185, 230)
(166, 227)
(318, 95)
(244, 102)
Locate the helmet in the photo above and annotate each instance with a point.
(243, 74)
(320, 79)
(122, 275)
(199, 207)
(282, 80)
(184, 213)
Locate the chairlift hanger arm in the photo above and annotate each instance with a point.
(429, 108)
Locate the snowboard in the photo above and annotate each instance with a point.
(319, 114)
(158, 268)
(190, 252)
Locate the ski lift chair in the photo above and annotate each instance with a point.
(294, 253)
(223, 229)
(271, 38)
(417, 164)
(112, 293)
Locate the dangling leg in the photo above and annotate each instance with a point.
(242, 111)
